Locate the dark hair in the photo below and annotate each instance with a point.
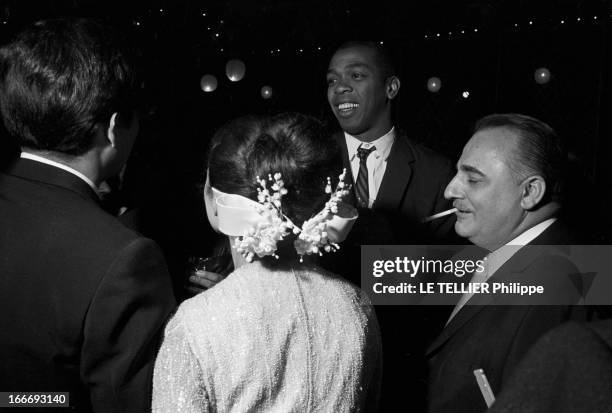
(60, 78)
(295, 145)
(539, 150)
(382, 54)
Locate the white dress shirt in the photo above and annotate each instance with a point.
(376, 162)
(37, 158)
(495, 259)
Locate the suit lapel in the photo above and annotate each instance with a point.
(478, 302)
(397, 176)
(466, 313)
(347, 164)
(474, 305)
(507, 272)
(470, 252)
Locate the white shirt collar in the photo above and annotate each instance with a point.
(37, 158)
(532, 233)
(383, 144)
(498, 257)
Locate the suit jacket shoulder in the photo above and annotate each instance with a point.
(84, 296)
(437, 162)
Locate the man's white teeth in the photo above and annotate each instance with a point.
(347, 106)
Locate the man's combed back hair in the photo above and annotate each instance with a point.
(60, 78)
(295, 145)
(384, 58)
(539, 150)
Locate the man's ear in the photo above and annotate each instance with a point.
(392, 87)
(533, 190)
(111, 133)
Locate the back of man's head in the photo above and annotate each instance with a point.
(60, 79)
(538, 151)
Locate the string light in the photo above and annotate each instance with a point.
(466, 94)
(516, 25)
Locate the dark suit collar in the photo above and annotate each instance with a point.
(340, 139)
(48, 174)
(397, 176)
(347, 164)
(397, 173)
(555, 234)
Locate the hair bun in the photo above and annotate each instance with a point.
(295, 145)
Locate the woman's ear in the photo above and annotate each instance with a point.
(211, 205)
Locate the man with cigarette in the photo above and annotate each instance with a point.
(507, 191)
(396, 185)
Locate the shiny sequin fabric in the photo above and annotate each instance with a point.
(295, 340)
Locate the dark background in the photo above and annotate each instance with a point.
(489, 48)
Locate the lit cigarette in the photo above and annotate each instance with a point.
(440, 214)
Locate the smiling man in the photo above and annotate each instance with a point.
(399, 180)
(361, 86)
(507, 192)
(505, 184)
(396, 184)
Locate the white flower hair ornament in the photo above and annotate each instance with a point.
(259, 226)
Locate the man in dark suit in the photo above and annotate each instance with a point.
(396, 184)
(507, 193)
(84, 299)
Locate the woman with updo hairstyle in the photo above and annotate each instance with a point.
(279, 334)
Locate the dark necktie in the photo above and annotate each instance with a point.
(361, 186)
